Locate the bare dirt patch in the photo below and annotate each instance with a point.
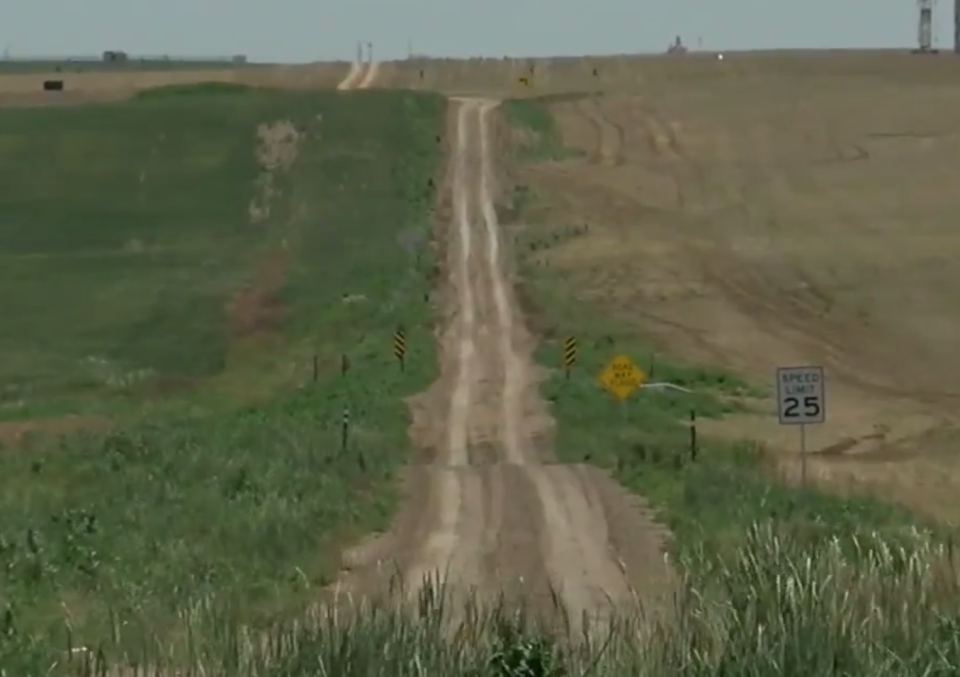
(256, 312)
(258, 309)
(277, 144)
(14, 433)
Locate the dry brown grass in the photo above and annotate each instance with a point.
(26, 88)
(772, 209)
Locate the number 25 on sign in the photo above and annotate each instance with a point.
(800, 401)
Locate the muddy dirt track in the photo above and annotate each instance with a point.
(489, 513)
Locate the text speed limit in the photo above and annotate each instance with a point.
(800, 395)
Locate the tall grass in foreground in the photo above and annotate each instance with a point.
(769, 608)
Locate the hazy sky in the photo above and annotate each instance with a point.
(311, 30)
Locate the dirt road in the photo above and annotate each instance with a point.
(361, 75)
(490, 513)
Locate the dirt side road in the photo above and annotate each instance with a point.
(489, 512)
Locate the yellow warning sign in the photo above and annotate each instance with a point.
(621, 377)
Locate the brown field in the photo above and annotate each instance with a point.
(26, 88)
(765, 210)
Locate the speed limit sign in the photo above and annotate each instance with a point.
(800, 395)
(799, 402)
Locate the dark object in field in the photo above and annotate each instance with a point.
(53, 85)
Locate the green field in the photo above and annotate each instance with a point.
(126, 232)
(118, 287)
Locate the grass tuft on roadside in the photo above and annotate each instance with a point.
(776, 608)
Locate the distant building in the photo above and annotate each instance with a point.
(114, 56)
(239, 59)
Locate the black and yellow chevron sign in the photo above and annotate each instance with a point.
(569, 352)
(400, 345)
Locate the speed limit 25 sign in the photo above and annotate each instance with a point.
(800, 395)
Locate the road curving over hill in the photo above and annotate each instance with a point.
(489, 512)
(362, 75)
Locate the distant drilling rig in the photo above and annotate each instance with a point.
(956, 26)
(925, 27)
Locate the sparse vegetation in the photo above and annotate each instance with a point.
(778, 579)
(538, 135)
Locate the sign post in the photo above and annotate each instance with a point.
(569, 355)
(400, 345)
(800, 401)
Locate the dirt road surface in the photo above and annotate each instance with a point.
(352, 76)
(361, 75)
(489, 513)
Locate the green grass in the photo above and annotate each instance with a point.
(114, 280)
(103, 268)
(204, 500)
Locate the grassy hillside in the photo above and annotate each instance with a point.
(127, 232)
(127, 291)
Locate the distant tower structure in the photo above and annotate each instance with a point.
(678, 47)
(956, 26)
(925, 27)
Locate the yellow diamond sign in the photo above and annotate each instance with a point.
(621, 377)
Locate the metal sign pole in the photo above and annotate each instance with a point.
(624, 415)
(801, 401)
(803, 454)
